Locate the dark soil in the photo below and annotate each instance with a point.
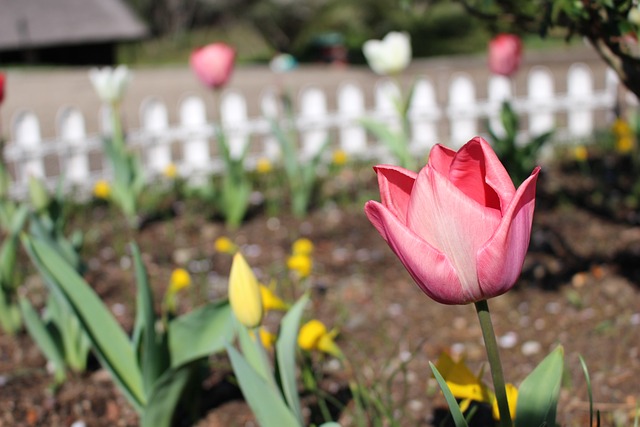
(579, 288)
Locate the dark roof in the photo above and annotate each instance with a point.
(45, 23)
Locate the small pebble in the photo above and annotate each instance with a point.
(125, 263)
(416, 405)
(118, 309)
(553, 307)
(78, 424)
(530, 348)
(273, 224)
(394, 310)
(635, 319)
(508, 340)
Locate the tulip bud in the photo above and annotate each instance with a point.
(2, 80)
(213, 64)
(505, 53)
(244, 293)
(38, 194)
(390, 55)
(314, 336)
(110, 83)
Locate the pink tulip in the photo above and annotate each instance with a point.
(459, 226)
(2, 78)
(213, 64)
(505, 52)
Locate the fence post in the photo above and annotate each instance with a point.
(193, 120)
(269, 106)
(540, 92)
(499, 90)
(155, 123)
(26, 136)
(353, 138)
(579, 98)
(312, 122)
(234, 117)
(461, 111)
(72, 133)
(424, 114)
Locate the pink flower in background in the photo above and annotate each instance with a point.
(505, 53)
(459, 226)
(2, 79)
(213, 64)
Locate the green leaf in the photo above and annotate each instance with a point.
(255, 355)
(395, 142)
(200, 332)
(538, 393)
(286, 347)
(154, 357)
(40, 334)
(454, 408)
(165, 396)
(109, 341)
(269, 408)
(73, 340)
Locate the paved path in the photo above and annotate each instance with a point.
(44, 91)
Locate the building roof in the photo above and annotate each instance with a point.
(47, 23)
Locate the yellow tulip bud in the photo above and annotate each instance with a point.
(301, 264)
(624, 144)
(180, 279)
(266, 338)
(314, 336)
(225, 245)
(170, 171)
(270, 301)
(102, 189)
(263, 166)
(302, 246)
(581, 154)
(340, 157)
(244, 293)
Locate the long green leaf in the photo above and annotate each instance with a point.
(269, 408)
(154, 357)
(255, 355)
(165, 396)
(286, 354)
(201, 332)
(538, 393)
(47, 344)
(454, 408)
(111, 344)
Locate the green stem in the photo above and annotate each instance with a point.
(482, 308)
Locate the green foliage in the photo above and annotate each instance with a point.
(519, 159)
(10, 319)
(456, 413)
(148, 369)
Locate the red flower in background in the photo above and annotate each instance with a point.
(505, 53)
(2, 79)
(213, 64)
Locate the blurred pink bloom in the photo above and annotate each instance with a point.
(2, 79)
(213, 64)
(505, 52)
(459, 226)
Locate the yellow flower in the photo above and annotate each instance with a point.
(314, 336)
(170, 171)
(581, 153)
(263, 165)
(225, 245)
(624, 144)
(102, 189)
(270, 301)
(301, 264)
(620, 128)
(302, 246)
(340, 157)
(244, 293)
(467, 386)
(266, 338)
(180, 279)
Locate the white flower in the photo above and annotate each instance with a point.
(110, 83)
(634, 15)
(390, 55)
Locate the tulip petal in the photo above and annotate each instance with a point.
(496, 175)
(395, 185)
(440, 158)
(500, 259)
(430, 268)
(453, 223)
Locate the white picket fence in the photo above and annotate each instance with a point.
(190, 143)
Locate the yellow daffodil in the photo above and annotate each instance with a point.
(102, 189)
(266, 338)
(270, 301)
(467, 386)
(263, 166)
(314, 336)
(170, 171)
(180, 279)
(302, 246)
(580, 153)
(339, 157)
(244, 293)
(301, 264)
(620, 127)
(624, 144)
(225, 245)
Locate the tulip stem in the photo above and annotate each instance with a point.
(491, 344)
